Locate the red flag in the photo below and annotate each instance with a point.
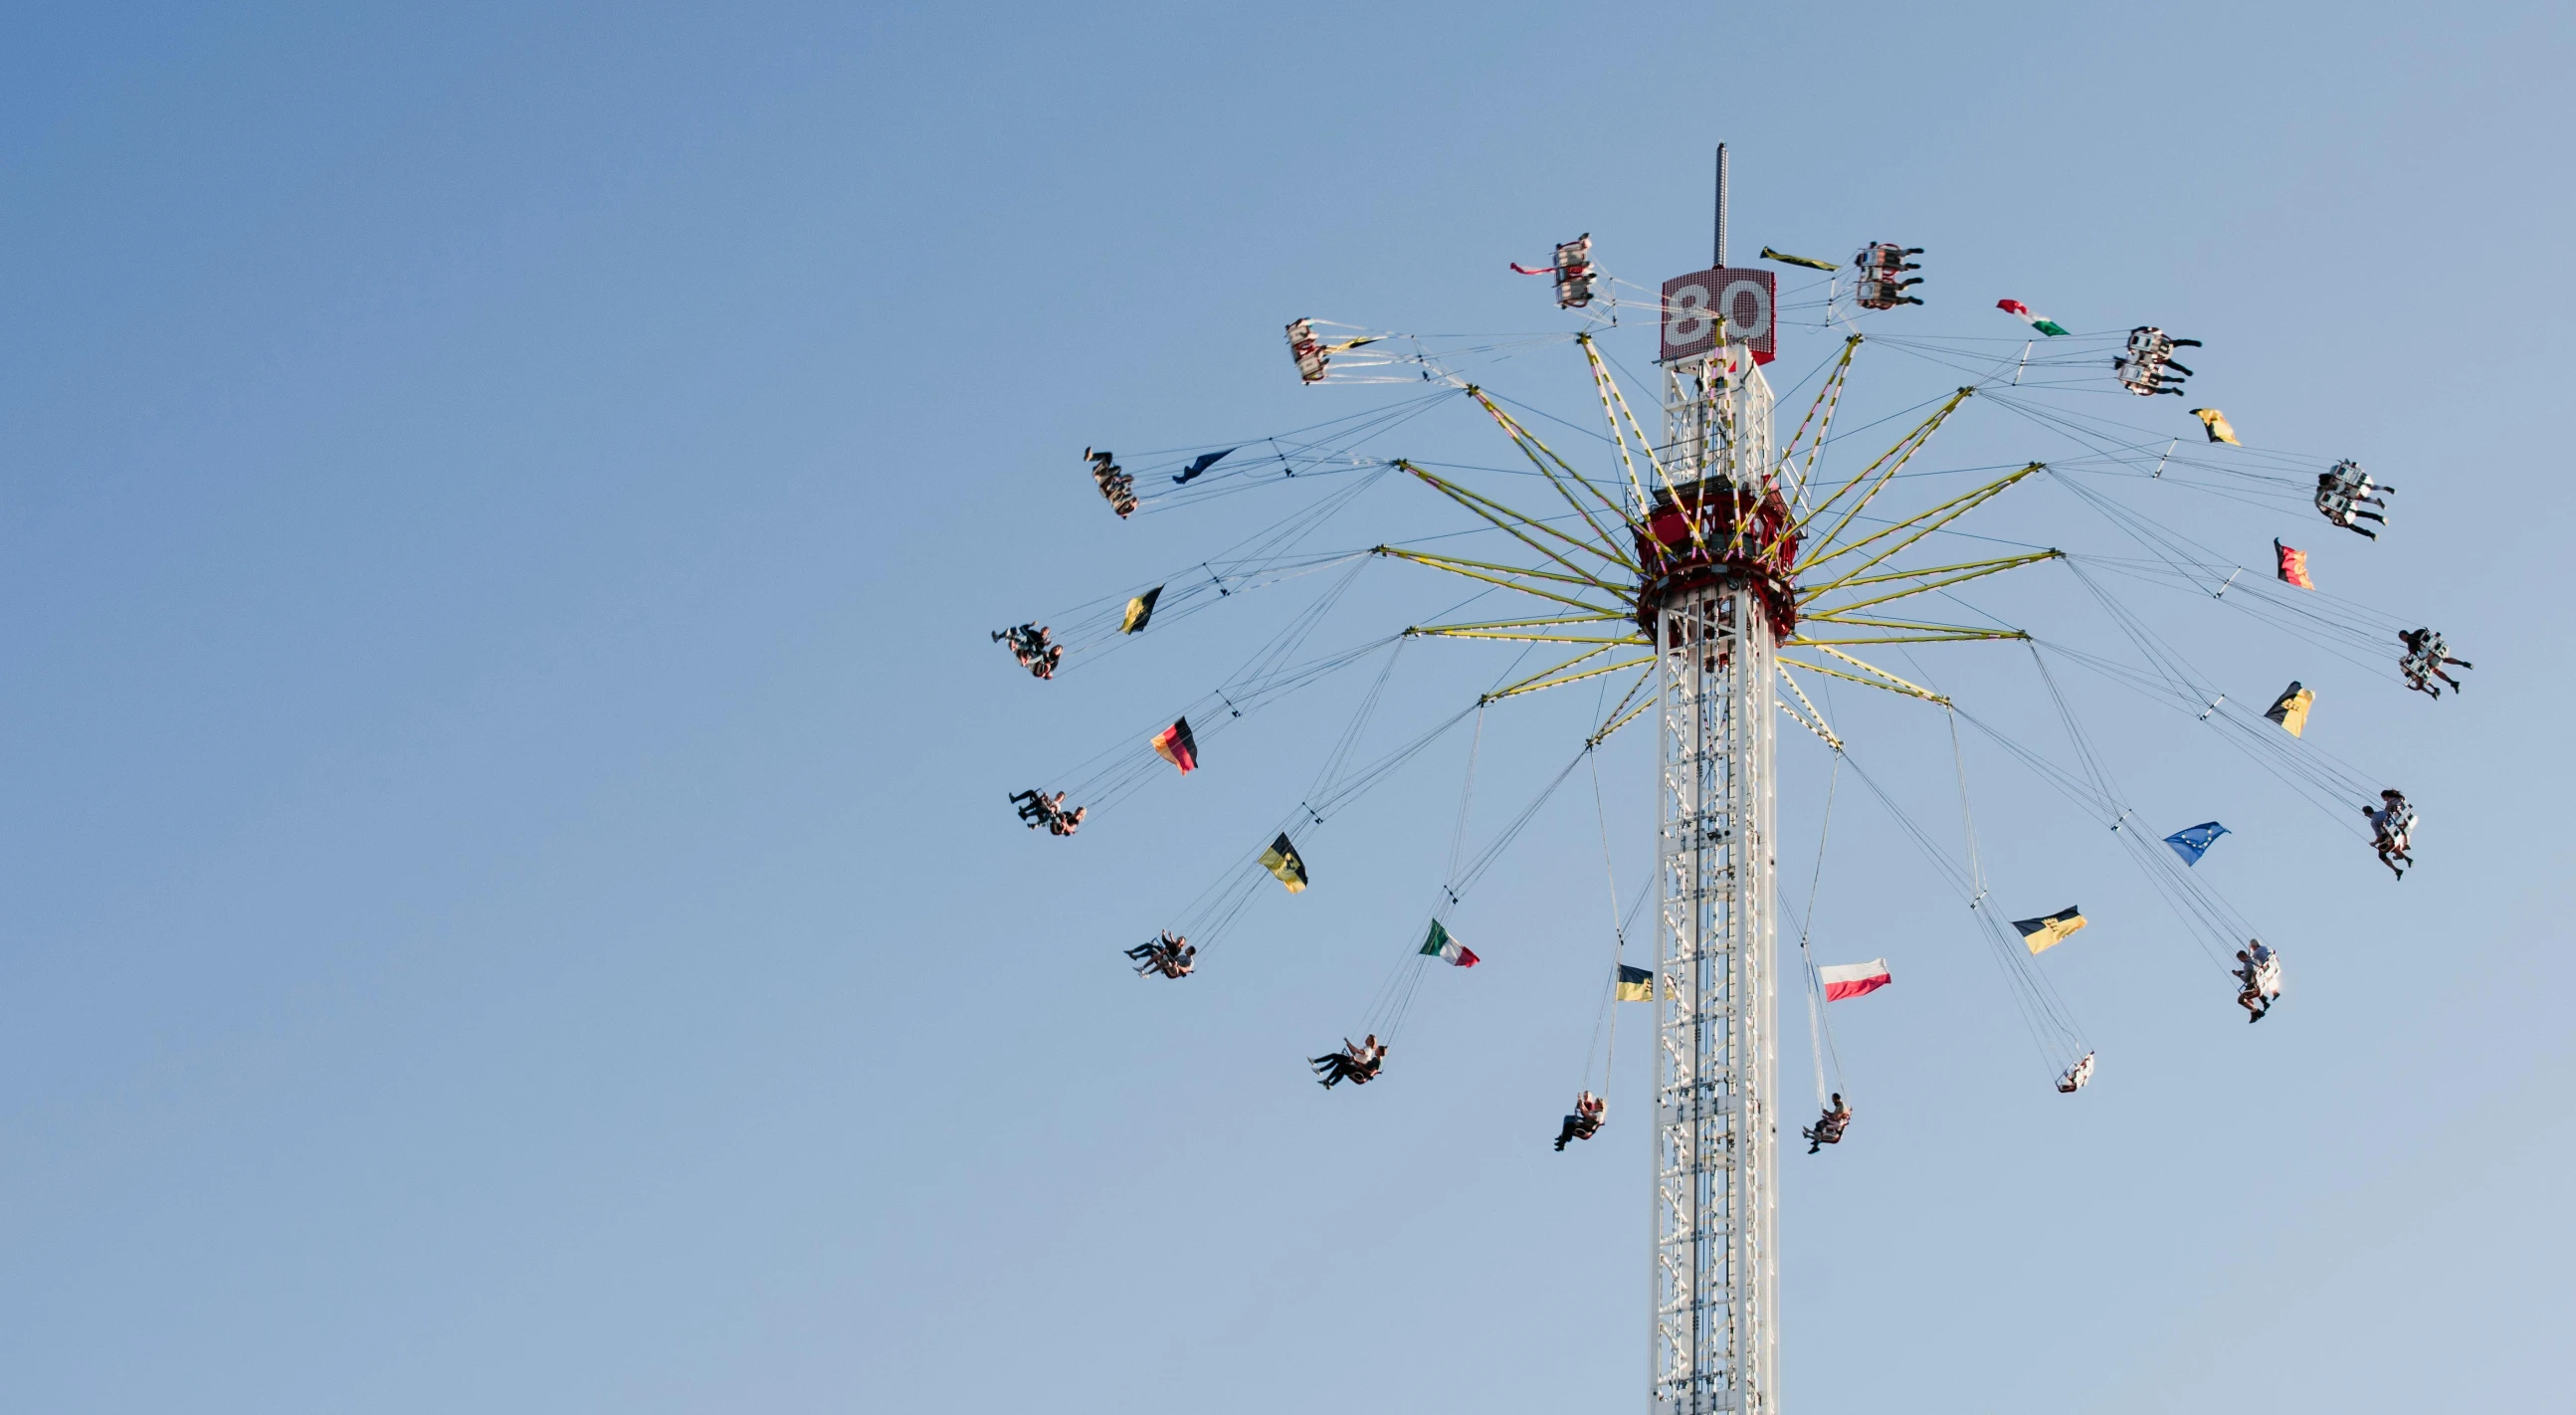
(2294, 566)
(1174, 744)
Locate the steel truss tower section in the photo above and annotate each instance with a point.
(1716, 1261)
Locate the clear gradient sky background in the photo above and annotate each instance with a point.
(506, 901)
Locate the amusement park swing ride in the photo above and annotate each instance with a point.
(1713, 574)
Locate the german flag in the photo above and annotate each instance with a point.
(2293, 568)
(2044, 933)
(1634, 985)
(1282, 859)
(1140, 611)
(1174, 744)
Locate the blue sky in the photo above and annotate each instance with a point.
(510, 902)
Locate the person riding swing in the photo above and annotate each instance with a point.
(1358, 1064)
(1829, 1127)
(2392, 826)
(1030, 645)
(2422, 662)
(1170, 955)
(2077, 1076)
(1585, 1122)
(2258, 974)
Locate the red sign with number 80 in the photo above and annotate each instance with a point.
(1732, 303)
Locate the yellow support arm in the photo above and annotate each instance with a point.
(1882, 679)
(2006, 562)
(1519, 638)
(1922, 523)
(1811, 719)
(1857, 622)
(1602, 618)
(1828, 398)
(1889, 463)
(1945, 575)
(1608, 390)
(1509, 522)
(1618, 719)
(1557, 676)
(1961, 636)
(1477, 570)
(1531, 447)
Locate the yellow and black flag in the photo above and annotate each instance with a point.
(1282, 859)
(1808, 261)
(2044, 933)
(2291, 708)
(1634, 985)
(1140, 611)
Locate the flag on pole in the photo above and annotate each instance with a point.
(2291, 708)
(2293, 568)
(1806, 260)
(2040, 322)
(2216, 424)
(2193, 841)
(1174, 744)
(1140, 611)
(1634, 985)
(1844, 980)
(2049, 930)
(1449, 950)
(1282, 859)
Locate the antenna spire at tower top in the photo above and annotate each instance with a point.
(1721, 206)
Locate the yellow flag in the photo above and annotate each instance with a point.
(2216, 422)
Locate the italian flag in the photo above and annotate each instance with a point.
(1844, 980)
(1440, 945)
(2040, 322)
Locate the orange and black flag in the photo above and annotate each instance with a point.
(1174, 744)
(1634, 985)
(2294, 566)
(1282, 859)
(1140, 611)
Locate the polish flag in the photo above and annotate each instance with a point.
(1844, 980)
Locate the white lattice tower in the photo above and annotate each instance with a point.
(1716, 1261)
